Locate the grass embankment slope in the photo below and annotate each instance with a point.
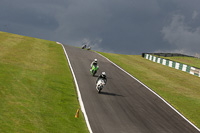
(36, 87)
(195, 62)
(180, 89)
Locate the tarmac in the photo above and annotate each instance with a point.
(124, 105)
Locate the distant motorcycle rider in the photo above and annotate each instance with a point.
(84, 46)
(103, 77)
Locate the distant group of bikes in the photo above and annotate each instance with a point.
(102, 79)
(85, 47)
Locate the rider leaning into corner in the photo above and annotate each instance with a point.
(103, 77)
(94, 63)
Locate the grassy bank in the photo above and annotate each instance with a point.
(37, 93)
(180, 89)
(195, 62)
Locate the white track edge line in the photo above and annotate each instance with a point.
(78, 91)
(153, 93)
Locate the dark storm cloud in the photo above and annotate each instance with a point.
(122, 26)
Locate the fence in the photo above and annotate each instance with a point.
(173, 64)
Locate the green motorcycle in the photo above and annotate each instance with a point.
(94, 69)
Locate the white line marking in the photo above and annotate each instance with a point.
(78, 91)
(152, 92)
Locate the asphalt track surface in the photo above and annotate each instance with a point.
(124, 105)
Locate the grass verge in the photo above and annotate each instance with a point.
(195, 62)
(180, 89)
(37, 91)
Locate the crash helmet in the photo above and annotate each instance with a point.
(103, 74)
(95, 60)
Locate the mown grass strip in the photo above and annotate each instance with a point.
(37, 91)
(180, 89)
(195, 62)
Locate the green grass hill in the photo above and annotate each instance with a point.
(37, 91)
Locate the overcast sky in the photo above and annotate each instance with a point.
(119, 26)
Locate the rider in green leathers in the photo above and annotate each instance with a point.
(94, 66)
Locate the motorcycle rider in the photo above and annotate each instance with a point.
(89, 48)
(94, 63)
(103, 77)
(84, 46)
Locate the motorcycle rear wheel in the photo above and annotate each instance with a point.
(94, 72)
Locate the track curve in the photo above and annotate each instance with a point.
(124, 106)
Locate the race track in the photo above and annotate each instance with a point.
(124, 106)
